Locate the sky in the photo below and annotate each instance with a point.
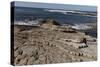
(56, 6)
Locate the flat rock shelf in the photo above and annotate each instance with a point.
(40, 45)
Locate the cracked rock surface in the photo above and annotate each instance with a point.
(44, 46)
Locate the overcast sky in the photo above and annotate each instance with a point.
(55, 6)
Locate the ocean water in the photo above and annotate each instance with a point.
(61, 16)
(22, 13)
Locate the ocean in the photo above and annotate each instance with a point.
(61, 16)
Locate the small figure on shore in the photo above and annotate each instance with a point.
(85, 41)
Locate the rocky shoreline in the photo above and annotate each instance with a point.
(49, 43)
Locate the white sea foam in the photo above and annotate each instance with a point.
(64, 11)
(81, 27)
(67, 11)
(26, 23)
(60, 11)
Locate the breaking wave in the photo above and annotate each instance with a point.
(81, 27)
